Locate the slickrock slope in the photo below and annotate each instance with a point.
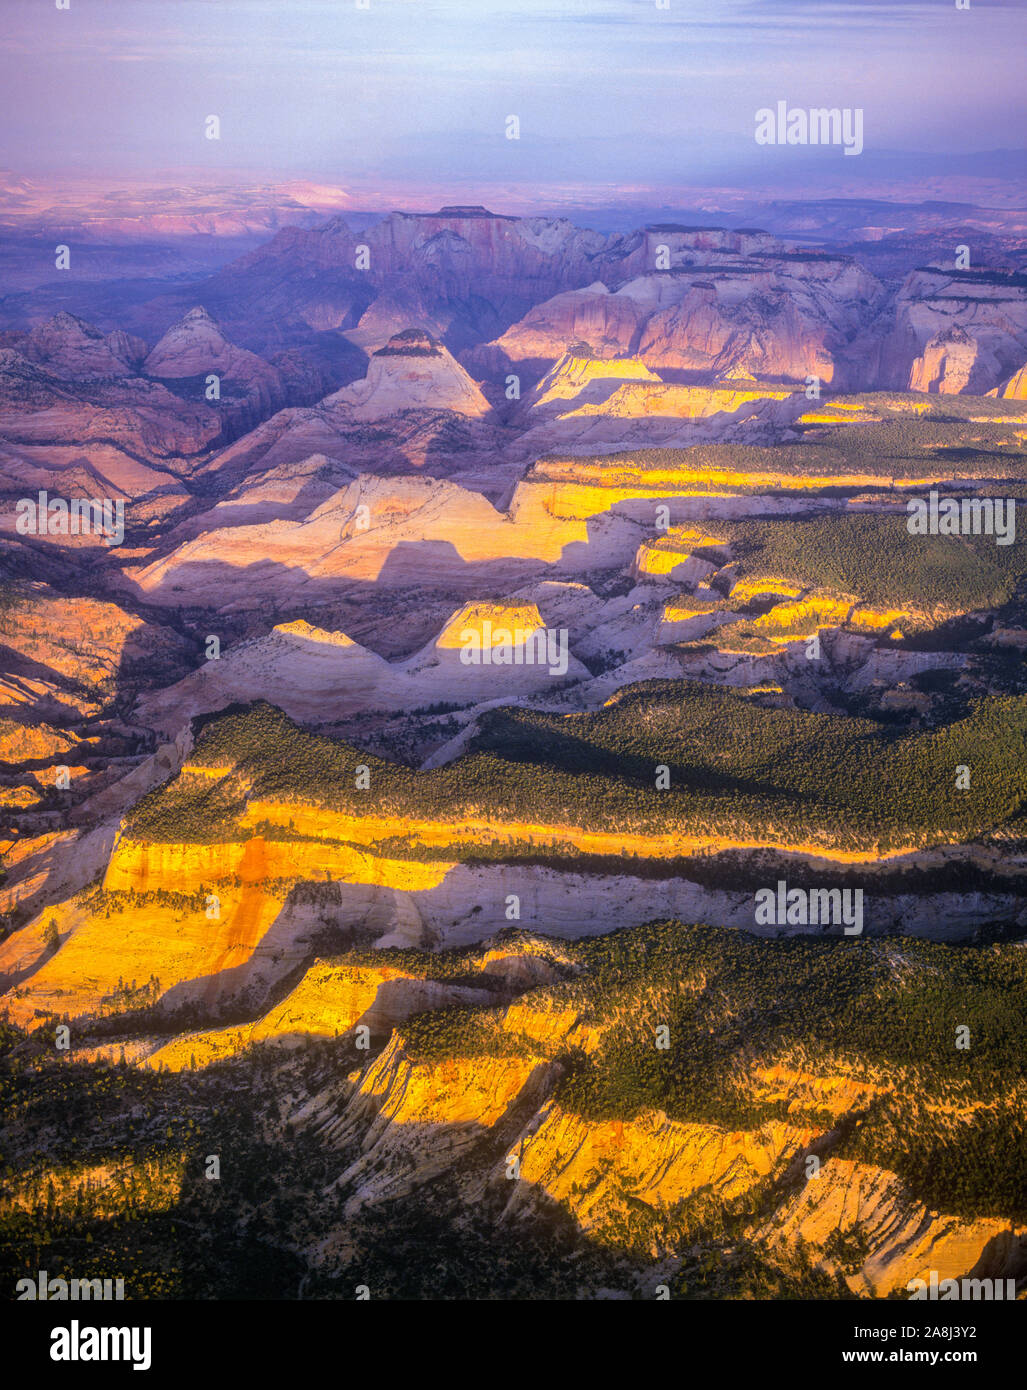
(600, 1170)
(321, 677)
(43, 412)
(420, 1121)
(72, 349)
(412, 372)
(575, 513)
(750, 1128)
(383, 899)
(780, 316)
(513, 1107)
(442, 443)
(331, 1000)
(151, 923)
(68, 655)
(315, 676)
(390, 532)
(580, 371)
(197, 348)
(903, 1239)
(269, 492)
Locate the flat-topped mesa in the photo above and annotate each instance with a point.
(411, 342)
(483, 636)
(458, 212)
(678, 237)
(465, 210)
(488, 622)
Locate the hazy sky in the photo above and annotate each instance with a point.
(608, 92)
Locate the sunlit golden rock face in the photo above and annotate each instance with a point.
(1015, 389)
(573, 374)
(692, 619)
(419, 1119)
(599, 1169)
(682, 402)
(669, 556)
(471, 829)
(807, 612)
(22, 742)
(250, 945)
(785, 623)
(804, 616)
(547, 1028)
(73, 649)
(135, 958)
(234, 936)
(638, 1182)
(484, 620)
(683, 609)
(834, 1093)
(139, 864)
(329, 1001)
(905, 1240)
(417, 526)
(744, 590)
(569, 488)
(884, 620)
(839, 413)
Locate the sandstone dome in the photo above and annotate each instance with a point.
(413, 371)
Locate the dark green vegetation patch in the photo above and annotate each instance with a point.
(738, 770)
